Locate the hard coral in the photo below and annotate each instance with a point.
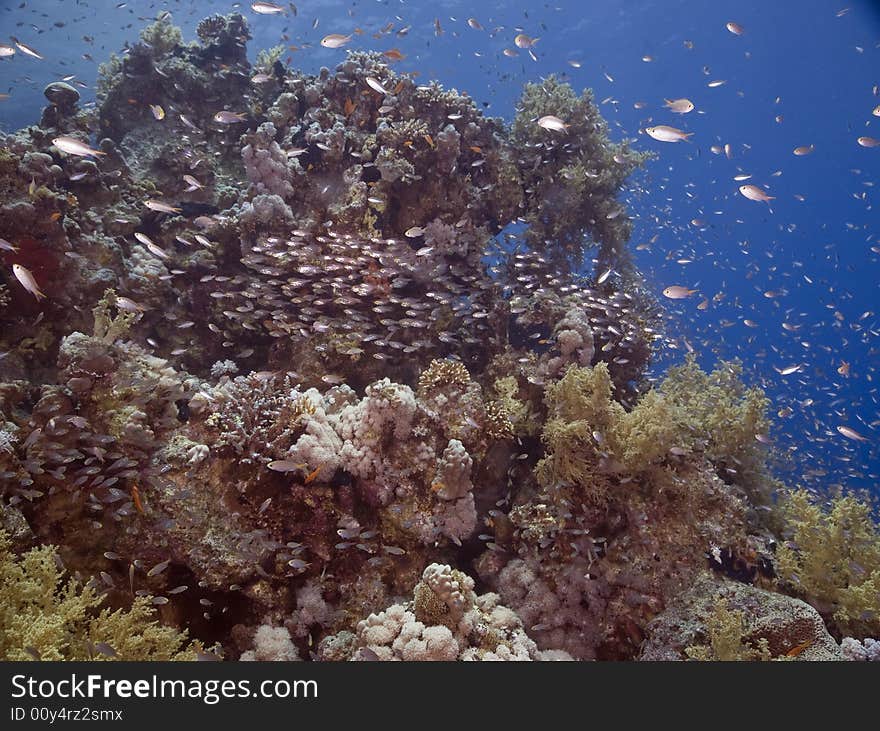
(445, 621)
(723, 620)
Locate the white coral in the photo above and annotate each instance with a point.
(453, 478)
(418, 643)
(266, 209)
(866, 651)
(266, 163)
(454, 588)
(456, 520)
(476, 627)
(351, 435)
(272, 644)
(197, 453)
(574, 338)
(7, 440)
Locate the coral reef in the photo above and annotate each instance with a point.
(45, 617)
(723, 620)
(320, 374)
(571, 179)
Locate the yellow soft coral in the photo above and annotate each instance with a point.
(725, 630)
(724, 414)
(588, 432)
(44, 617)
(832, 558)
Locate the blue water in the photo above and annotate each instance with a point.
(804, 61)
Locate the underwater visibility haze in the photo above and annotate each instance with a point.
(406, 331)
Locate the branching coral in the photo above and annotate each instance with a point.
(832, 559)
(45, 617)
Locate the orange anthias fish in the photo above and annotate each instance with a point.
(312, 475)
(754, 193)
(136, 498)
(798, 649)
(393, 54)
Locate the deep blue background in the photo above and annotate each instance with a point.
(797, 58)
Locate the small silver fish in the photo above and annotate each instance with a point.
(225, 117)
(24, 276)
(376, 86)
(675, 292)
(192, 182)
(850, 433)
(264, 8)
(74, 147)
(27, 50)
(335, 40)
(160, 206)
(285, 465)
(158, 568)
(553, 123)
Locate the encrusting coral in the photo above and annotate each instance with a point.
(725, 630)
(720, 620)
